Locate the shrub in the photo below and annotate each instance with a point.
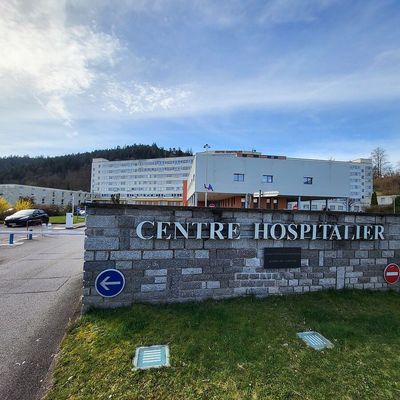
(4, 205)
(52, 210)
(4, 208)
(23, 204)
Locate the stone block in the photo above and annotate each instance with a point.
(155, 272)
(101, 221)
(394, 244)
(157, 254)
(177, 244)
(160, 279)
(364, 245)
(102, 255)
(183, 253)
(89, 256)
(126, 255)
(183, 214)
(252, 262)
(365, 219)
(123, 265)
(305, 282)
(192, 271)
(193, 244)
(140, 244)
(101, 243)
(340, 276)
(201, 254)
(161, 244)
(353, 274)
(213, 284)
(327, 281)
(153, 287)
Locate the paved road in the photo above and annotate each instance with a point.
(40, 288)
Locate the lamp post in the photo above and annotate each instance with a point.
(206, 147)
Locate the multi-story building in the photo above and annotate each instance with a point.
(150, 181)
(43, 195)
(251, 179)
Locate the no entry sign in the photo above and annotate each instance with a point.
(391, 273)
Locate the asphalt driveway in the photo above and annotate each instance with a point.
(40, 289)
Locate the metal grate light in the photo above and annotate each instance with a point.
(151, 357)
(315, 340)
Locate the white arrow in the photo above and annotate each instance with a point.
(104, 283)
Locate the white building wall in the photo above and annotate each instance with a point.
(138, 179)
(43, 195)
(331, 179)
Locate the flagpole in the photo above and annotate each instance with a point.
(206, 146)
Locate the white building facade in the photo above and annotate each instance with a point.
(237, 178)
(43, 195)
(150, 181)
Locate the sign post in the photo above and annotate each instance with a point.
(391, 273)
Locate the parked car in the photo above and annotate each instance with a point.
(27, 218)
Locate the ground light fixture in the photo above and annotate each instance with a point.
(315, 340)
(151, 357)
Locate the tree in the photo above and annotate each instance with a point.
(379, 162)
(374, 199)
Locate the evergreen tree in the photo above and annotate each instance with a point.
(374, 199)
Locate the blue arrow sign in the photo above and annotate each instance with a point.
(110, 283)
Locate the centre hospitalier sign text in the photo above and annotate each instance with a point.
(148, 230)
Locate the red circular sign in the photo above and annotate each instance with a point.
(391, 273)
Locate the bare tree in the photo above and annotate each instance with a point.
(380, 163)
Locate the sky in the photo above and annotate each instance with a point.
(301, 78)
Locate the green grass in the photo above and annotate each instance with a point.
(60, 219)
(238, 349)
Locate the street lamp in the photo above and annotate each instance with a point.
(206, 147)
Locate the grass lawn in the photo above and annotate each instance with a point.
(60, 219)
(238, 349)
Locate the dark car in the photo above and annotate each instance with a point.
(27, 218)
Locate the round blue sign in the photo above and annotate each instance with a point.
(110, 283)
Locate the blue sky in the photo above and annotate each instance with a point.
(306, 78)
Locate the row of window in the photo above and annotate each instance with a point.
(307, 180)
(157, 162)
(140, 169)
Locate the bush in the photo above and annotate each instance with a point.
(52, 210)
(5, 208)
(4, 205)
(23, 204)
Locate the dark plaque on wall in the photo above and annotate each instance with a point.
(282, 257)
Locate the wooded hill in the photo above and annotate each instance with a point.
(387, 185)
(72, 171)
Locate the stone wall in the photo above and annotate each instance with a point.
(176, 270)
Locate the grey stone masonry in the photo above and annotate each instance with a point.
(165, 261)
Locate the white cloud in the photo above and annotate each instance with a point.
(137, 98)
(45, 57)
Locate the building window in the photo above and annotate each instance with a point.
(308, 180)
(267, 178)
(238, 177)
